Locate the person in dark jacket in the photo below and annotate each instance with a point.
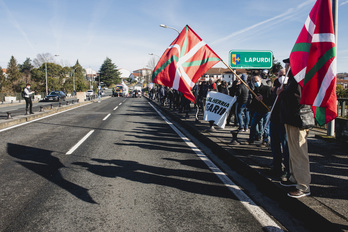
(242, 94)
(223, 88)
(263, 93)
(279, 141)
(232, 92)
(292, 117)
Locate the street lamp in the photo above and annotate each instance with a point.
(46, 74)
(165, 26)
(74, 79)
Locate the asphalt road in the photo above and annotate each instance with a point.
(111, 166)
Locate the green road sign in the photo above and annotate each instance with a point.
(244, 59)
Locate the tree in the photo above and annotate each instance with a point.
(81, 84)
(26, 68)
(276, 67)
(108, 73)
(3, 82)
(42, 59)
(14, 76)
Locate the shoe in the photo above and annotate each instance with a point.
(246, 130)
(287, 183)
(263, 144)
(298, 193)
(31, 112)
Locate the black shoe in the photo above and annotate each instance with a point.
(287, 183)
(31, 112)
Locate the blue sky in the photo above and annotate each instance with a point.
(127, 31)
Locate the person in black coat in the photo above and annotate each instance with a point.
(242, 94)
(293, 114)
(279, 141)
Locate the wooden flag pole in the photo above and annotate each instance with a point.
(245, 84)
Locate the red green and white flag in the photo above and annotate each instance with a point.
(313, 62)
(184, 62)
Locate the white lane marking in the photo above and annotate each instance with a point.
(79, 143)
(268, 223)
(120, 104)
(116, 108)
(24, 123)
(106, 117)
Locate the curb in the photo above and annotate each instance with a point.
(299, 208)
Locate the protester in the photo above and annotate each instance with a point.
(27, 94)
(263, 93)
(223, 88)
(297, 119)
(279, 141)
(242, 94)
(202, 95)
(232, 91)
(212, 85)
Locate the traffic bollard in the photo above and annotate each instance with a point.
(41, 108)
(60, 104)
(51, 106)
(9, 115)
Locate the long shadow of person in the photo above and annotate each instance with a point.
(169, 177)
(44, 164)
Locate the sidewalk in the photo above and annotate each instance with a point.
(327, 207)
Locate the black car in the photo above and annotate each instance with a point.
(56, 96)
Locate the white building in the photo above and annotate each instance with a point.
(124, 73)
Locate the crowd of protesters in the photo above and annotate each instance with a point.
(251, 114)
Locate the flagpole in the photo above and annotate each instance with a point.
(244, 83)
(331, 125)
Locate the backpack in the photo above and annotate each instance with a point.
(23, 93)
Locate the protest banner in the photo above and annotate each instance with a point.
(217, 108)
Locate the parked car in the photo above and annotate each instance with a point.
(56, 96)
(89, 93)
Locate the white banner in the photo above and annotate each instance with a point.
(217, 108)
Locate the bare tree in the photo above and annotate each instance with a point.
(43, 58)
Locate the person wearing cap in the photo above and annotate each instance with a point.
(27, 97)
(290, 108)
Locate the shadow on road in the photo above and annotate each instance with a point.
(199, 182)
(42, 162)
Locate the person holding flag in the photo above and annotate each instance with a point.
(312, 85)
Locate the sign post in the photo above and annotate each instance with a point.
(245, 59)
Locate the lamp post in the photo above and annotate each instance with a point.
(74, 79)
(46, 74)
(165, 26)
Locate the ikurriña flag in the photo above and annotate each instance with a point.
(184, 62)
(313, 62)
